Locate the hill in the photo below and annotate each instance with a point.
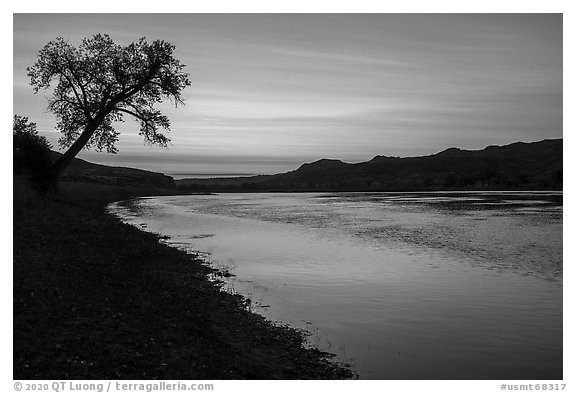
(519, 165)
(83, 171)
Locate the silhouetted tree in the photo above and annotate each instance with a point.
(31, 152)
(557, 176)
(523, 178)
(100, 81)
(451, 180)
(468, 180)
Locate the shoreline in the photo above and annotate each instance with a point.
(95, 298)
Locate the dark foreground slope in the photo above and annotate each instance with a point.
(536, 165)
(98, 299)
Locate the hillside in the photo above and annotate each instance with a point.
(519, 165)
(83, 171)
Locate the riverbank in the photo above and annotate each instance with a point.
(98, 299)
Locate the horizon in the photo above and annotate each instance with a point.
(270, 91)
(207, 175)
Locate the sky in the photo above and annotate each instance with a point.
(272, 91)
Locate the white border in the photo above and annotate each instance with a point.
(302, 6)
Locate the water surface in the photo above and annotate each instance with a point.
(399, 285)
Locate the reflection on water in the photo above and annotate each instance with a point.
(399, 285)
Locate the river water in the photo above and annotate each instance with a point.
(398, 285)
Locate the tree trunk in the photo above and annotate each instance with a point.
(49, 178)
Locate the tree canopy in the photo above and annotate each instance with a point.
(99, 82)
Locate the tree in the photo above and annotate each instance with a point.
(98, 83)
(31, 152)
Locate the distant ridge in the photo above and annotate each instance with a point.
(322, 165)
(520, 165)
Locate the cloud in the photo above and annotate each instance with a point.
(345, 86)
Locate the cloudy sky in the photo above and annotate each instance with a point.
(270, 92)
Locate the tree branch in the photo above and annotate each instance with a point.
(71, 67)
(62, 99)
(84, 108)
(136, 115)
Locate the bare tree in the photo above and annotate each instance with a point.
(99, 82)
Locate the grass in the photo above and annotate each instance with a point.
(98, 299)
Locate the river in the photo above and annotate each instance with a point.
(398, 285)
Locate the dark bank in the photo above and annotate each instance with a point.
(98, 299)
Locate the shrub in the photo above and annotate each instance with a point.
(31, 151)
